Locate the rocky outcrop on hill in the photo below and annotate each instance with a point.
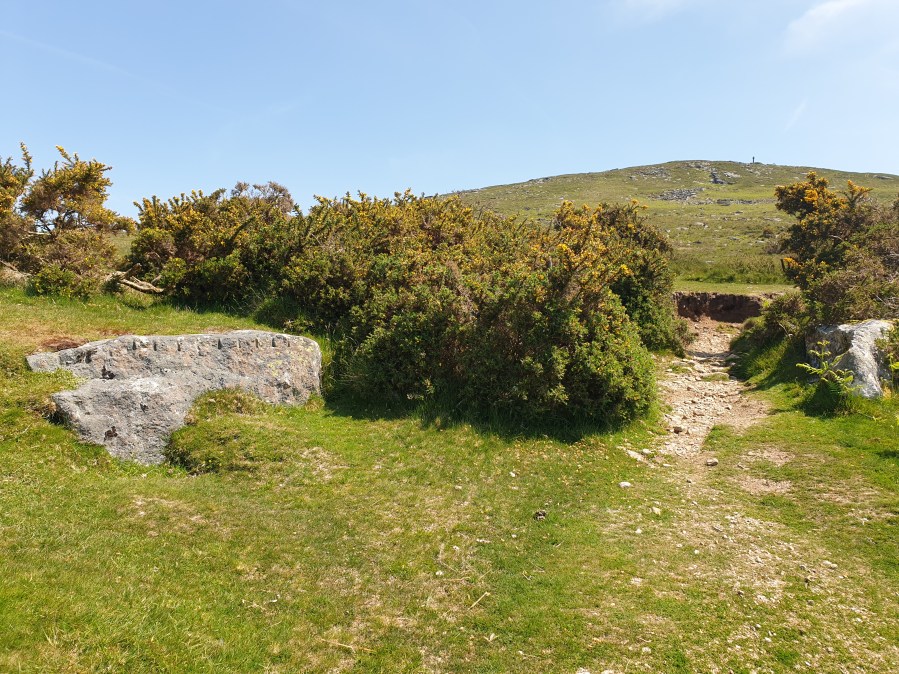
(682, 194)
(853, 347)
(138, 390)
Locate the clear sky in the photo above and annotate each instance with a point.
(338, 96)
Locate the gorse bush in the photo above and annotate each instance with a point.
(784, 317)
(842, 251)
(843, 258)
(55, 227)
(214, 247)
(646, 281)
(428, 300)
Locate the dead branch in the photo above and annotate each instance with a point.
(123, 278)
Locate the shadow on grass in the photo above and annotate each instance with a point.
(444, 416)
(769, 365)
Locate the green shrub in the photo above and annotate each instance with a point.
(54, 280)
(152, 248)
(842, 251)
(56, 226)
(428, 300)
(646, 284)
(784, 317)
(74, 263)
(215, 248)
(431, 301)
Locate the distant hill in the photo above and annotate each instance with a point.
(720, 215)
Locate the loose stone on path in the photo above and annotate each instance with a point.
(702, 396)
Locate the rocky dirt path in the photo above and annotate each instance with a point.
(701, 394)
(786, 587)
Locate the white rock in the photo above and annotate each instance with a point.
(854, 345)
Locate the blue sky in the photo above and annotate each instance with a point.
(338, 96)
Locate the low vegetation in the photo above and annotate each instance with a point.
(400, 523)
(336, 538)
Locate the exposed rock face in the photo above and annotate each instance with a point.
(139, 389)
(719, 306)
(855, 347)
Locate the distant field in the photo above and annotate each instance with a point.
(719, 215)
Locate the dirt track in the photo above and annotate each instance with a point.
(700, 392)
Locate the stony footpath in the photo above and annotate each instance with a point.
(701, 394)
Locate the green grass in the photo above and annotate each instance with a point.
(334, 539)
(719, 234)
(732, 288)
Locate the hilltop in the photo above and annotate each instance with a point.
(720, 215)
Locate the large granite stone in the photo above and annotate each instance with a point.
(138, 390)
(854, 348)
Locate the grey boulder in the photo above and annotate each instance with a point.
(138, 390)
(854, 348)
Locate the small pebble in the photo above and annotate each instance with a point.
(712, 462)
(624, 485)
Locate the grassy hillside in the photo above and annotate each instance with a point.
(350, 541)
(719, 215)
